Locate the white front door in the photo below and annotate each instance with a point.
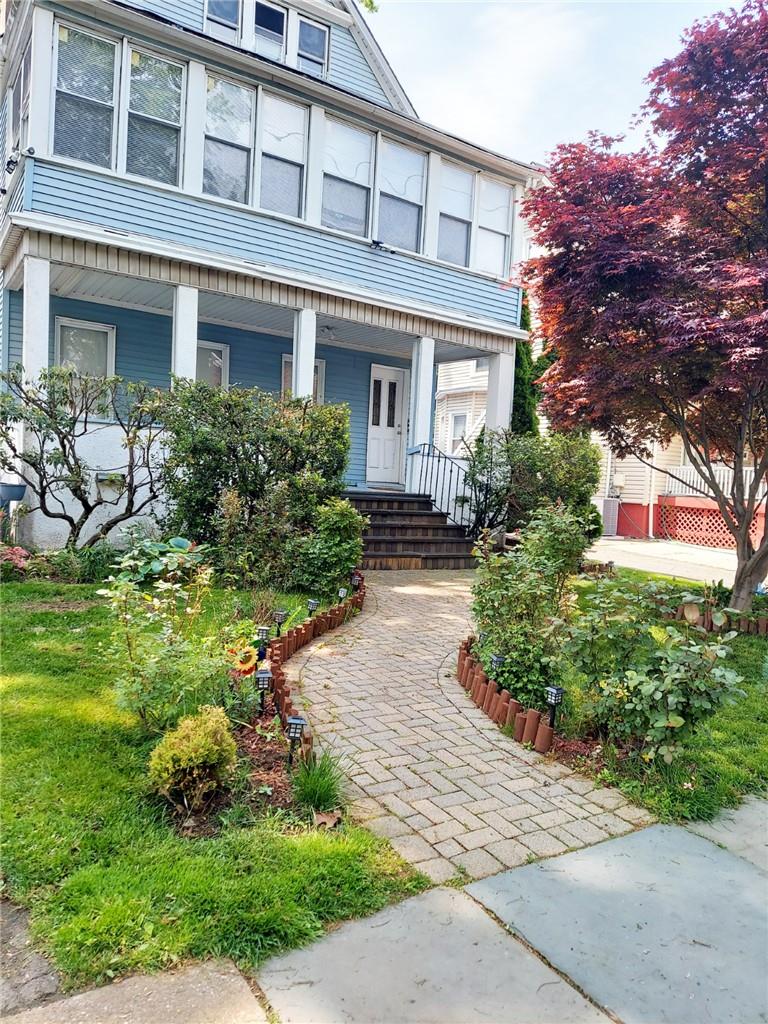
(386, 426)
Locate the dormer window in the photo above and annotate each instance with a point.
(312, 54)
(270, 31)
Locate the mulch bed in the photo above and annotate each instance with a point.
(265, 748)
(578, 753)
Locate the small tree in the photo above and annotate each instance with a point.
(653, 286)
(524, 401)
(42, 426)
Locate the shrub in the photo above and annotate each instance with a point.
(194, 760)
(511, 476)
(556, 536)
(658, 705)
(318, 782)
(327, 557)
(13, 562)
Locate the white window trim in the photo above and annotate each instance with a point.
(287, 357)
(125, 110)
(455, 443)
(326, 56)
(223, 348)
(117, 93)
(248, 40)
(91, 325)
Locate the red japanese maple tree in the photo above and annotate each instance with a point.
(653, 286)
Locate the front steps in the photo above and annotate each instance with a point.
(406, 532)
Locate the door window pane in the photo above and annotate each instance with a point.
(376, 403)
(345, 206)
(453, 241)
(84, 106)
(399, 223)
(85, 349)
(281, 186)
(456, 192)
(154, 118)
(270, 31)
(391, 402)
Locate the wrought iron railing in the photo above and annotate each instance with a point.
(445, 479)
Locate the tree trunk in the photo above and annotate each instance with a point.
(750, 571)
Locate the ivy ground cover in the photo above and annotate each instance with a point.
(111, 886)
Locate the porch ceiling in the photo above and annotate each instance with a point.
(155, 297)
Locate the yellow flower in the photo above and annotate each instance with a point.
(246, 660)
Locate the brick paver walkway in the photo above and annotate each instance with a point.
(429, 770)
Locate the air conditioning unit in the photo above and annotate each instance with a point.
(610, 517)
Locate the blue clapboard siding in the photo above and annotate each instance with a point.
(15, 316)
(141, 209)
(188, 13)
(349, 68)
(3, 324)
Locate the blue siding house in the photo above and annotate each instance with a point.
(240, 191)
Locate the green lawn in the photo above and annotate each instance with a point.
(110, 885)
(728, 756)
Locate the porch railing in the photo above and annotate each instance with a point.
(688, 482)
(444, 479)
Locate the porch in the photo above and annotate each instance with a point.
(146, 318)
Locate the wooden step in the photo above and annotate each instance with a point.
(417, 560)
(418, 531)
(400, 517)
(371, 501)
(408, 543)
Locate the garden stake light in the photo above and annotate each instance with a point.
(554, 699)
(280, 616)
(355, 579)
(497, 660)
(262, 635)
(263, 681)
(312, 606)
(294, 732)
(481, 638)
(342, 593)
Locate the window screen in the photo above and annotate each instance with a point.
(85, 95)
(346, 183)
(228, 134)
(284, 142)
(154, 118)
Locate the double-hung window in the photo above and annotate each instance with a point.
(228, 139)
(84, 119)
(269, 29)
(154, 117)
(312, 54)
(348, 168)
(85, 347)
(284, 148)
(223, 19)
(212, 365)
(456, 201)
(494, 216)
(20, 103)
(402, 176)
(458, 430)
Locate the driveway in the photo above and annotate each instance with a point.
(670, 557)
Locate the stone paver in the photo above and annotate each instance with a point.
(428, 768)
(26, 977)
(435, 959)
(742, 830)
(208, 993)
(658, 927)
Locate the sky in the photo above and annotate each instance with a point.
(520, 77)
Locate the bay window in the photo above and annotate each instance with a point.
(402, 177)
(85, 347)
(348, 167)
(312, 55)
(154, 117)
(283, 146)
(269, 30)
(84, 114)
(456, 203)
(494, 217)
(228, 139)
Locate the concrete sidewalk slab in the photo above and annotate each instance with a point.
(743, 830)
(208, 993)
(659, 926)
(434, 958)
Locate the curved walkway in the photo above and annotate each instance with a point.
(429, 770)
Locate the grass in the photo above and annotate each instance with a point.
(110, 885)
(726, 759)
(319, 782)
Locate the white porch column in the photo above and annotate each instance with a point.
(184, 357)
(422, 395)
(501, 390)
(36, 321)
(304, 332)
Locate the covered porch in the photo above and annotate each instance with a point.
(109, 310)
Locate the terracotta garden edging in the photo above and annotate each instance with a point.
(280, 649)
(499, 705)
(755, 624)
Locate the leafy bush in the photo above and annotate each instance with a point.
(557, 536)
(659, 704)
(70, 565)
(510, 476)
(327, 557)
(318, 782)
(194, 760)
(175, 561)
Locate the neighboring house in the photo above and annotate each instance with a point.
(462, 393)
(242, 193)
(640, 501)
